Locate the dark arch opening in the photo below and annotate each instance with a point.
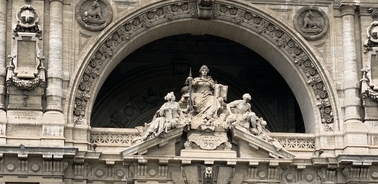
(136, 87)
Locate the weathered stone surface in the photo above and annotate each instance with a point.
(45, 121)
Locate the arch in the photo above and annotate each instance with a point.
(253, 27)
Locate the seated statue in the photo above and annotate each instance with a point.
(205, 103)
(240, 112)
(165, 119)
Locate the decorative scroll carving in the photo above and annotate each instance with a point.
(221, 11)
(311, 23)
(25, 70)
(22, 83)
(94, 15)
(367, 90)
(369, 83)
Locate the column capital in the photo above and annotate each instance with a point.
(56, 0)
(347, 10)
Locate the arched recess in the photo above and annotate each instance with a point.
(253, 27)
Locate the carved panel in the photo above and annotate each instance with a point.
(25, 70)
(369, 81)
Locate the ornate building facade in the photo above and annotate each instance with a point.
(119, 91)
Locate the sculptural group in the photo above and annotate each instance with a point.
(204, 111)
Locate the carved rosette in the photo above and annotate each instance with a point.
(311, 22)
(27, 21)
(221, 11)
(374, 12)
(94, 15)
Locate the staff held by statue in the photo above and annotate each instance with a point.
(189, 81)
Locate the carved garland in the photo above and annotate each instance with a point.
(221, 11)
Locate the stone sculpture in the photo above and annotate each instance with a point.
(202, 107)
(165, 119)
(204, 102)
(312, 23)
(93, 14)
(309, 22)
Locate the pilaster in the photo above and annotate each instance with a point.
(3, 23)
(55, 62)
(355, 137)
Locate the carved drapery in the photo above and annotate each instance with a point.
(238, 15)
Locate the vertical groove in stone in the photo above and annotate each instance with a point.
(3, 23)
(350, 63)
(54, 91)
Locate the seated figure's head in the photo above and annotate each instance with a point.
(204, 70)
(247, 96)
(170, 96)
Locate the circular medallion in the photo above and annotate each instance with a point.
(152, 172)
(94, 15)
(27, 16)
(374, 175)
(290, 177)
(99, 173)
(120, 173)
(262, 175)
(311, 22)
(372, 32)
(35, 167)
(11, 167)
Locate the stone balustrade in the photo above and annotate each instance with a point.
(124, 136)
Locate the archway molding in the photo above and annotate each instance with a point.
(258, 29)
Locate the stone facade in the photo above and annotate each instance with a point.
(55, 57)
